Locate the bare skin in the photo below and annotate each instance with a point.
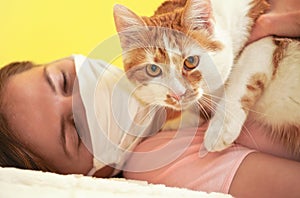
(281, 20)
(39, 106)
(262, 175)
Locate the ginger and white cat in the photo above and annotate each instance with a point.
(192, 53)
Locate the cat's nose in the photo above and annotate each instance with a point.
(176, 96)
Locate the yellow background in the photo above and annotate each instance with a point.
(46, 30)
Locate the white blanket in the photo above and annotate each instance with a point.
(25, 183)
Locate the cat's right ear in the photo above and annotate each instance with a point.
(125, 19)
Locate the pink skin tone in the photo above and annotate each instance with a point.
(38, 105)
(281, 20)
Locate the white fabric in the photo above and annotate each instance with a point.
(116, 119)
(35, 184)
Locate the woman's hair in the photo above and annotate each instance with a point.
(12, 152)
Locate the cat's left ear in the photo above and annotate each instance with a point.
(126, 19)
(197, 14)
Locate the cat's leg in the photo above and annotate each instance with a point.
(250, 75)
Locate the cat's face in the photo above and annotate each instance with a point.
(166, 68)
(166, 57)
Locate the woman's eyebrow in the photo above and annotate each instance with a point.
(48, 79)
(63, 136)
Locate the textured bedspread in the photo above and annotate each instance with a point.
(25, 183)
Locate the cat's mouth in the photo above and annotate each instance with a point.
(183, 102)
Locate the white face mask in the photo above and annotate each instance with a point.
(116, 120)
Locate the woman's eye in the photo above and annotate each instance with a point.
(153, 70)
(65, 82)
(191, 62)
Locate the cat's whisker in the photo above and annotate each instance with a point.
(245, 129)
(205, 112)
(229, 101)
(212, 96)
(233, 116)
(207, 116)
(212, 110)
(208, 105)
(219, 98)
(259, 113)
(247, 133)
(205, 100)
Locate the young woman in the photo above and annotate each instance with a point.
(38, 132)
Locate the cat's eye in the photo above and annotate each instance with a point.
(153, 70)
(191, 62)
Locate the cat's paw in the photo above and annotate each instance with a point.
(221, 134)
(215, 138)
